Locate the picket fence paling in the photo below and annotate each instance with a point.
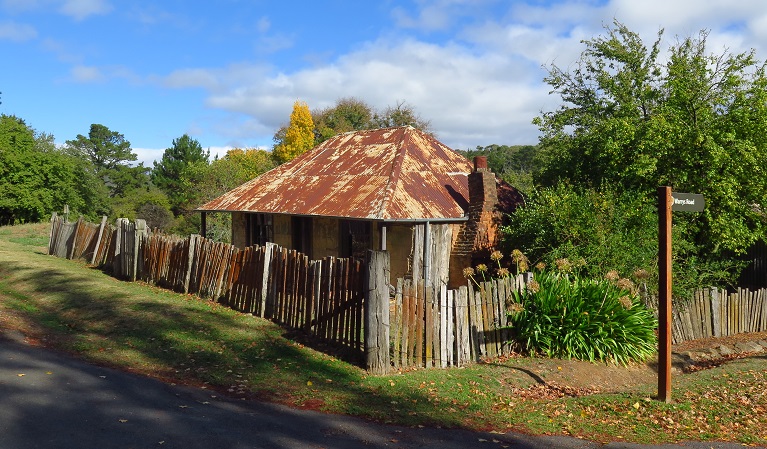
(431, 326)
(322, 297)
(438, 327)
(715, 313)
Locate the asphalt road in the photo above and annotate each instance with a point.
(50, 400)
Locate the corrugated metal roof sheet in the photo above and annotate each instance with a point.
(384, 174)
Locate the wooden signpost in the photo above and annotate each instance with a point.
(668, 202)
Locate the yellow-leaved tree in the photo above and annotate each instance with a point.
(299, 135)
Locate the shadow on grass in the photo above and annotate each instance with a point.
(47, 400)
(184, 339)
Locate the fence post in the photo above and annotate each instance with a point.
(117, 261)
(190, 261)
(53, 235)
(716, 311)
(139, 232)
(98, 239)
(377, 359)
(75, 237)
(266, 286)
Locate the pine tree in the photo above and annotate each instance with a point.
(299, 135)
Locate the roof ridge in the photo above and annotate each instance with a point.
(394, 174)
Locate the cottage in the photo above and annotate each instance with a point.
(395, 189)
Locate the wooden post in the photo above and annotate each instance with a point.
(203, 224)
(664, 293)
(266, 286)
(98, 239)
(117, 260)
(377, 359)
(190, 261)
(383, 237)
(138, 243)
(53, 236)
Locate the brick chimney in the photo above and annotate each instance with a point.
(483, 191)
(478, 235)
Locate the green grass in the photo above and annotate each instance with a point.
(183, 339)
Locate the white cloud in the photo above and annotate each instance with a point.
(484, 85)
(462, 93)
(81, 9)
(437, 15)
(192, 78)
(85, 74)
(148, 155)
(263, 25)
(16, 32)
(20, 5)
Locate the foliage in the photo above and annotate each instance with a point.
(137, 200)
(35, 177)
(204, 182)
(634, 119)
(401, 114)
(514, 164)
(110, 155)
(348, 114)
(606, 229)
(156, 216)
(564, 315)
(353, 114)
(299, 135)
(169, 173)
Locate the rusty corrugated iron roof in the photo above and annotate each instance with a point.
(384, 174)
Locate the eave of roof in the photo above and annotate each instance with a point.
(389, 174)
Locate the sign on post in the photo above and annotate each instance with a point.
(667, 202)
(687, 202)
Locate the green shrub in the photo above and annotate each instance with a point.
(565, 316)
(612, 230)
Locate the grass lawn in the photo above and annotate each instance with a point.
(72, 307)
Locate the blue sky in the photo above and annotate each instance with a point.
(228, 72)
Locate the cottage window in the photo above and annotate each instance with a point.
(354, 238)
(301, 228)
(259, 229)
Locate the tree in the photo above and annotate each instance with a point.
(634, 120)
(36, 178)
(110, 155)
(169, 173)
(401, 114)
(353, 114)
(514, 164)
(106, 149)
(349, 114)
(299, 135)
(220, 176)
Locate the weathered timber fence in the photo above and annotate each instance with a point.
(437, 327)
(716, 313)
(324, 298)
(348, 303)
(81, 240)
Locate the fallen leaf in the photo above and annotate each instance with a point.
(21, 375)
(123, 420)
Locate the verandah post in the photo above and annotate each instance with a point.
(377, 359)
